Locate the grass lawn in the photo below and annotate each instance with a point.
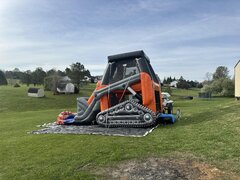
(207, 132)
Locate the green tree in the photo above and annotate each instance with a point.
(51, 72)
(14, 76)
(61, 73)
(183, 84)
(27, 77)
(77, 72)
(87, 73)
(221, 72)
(208, 77)
(164, 81)
(228, 87)
(3, 80)
(17, 74)
(51, 82)
(38, 76)
(9, 74)
(207, 88)
(221, 84)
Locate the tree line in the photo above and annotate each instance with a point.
(77, 72)
(168, 80)
(182, 83)
(218, 82)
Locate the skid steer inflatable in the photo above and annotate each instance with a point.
(129, 95)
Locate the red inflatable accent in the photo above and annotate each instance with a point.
(62, 116)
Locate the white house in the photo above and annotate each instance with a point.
(173, 84)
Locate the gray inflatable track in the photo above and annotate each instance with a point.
(52, 128)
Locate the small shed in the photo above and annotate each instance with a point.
(237, 80)
(36, 92)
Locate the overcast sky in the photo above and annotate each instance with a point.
(181, 37)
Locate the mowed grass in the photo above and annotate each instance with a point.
(207, 132)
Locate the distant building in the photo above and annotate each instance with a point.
(237, 80)
(173, 84)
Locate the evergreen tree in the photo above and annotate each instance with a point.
(183, 84)
(164, 81)
(77, 72)
(3, 80)
(38, 76)
(27, 77)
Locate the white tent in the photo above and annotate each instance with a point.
(67, 88)
(70, 88)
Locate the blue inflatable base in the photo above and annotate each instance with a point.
(70, 119)
(166, 118)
